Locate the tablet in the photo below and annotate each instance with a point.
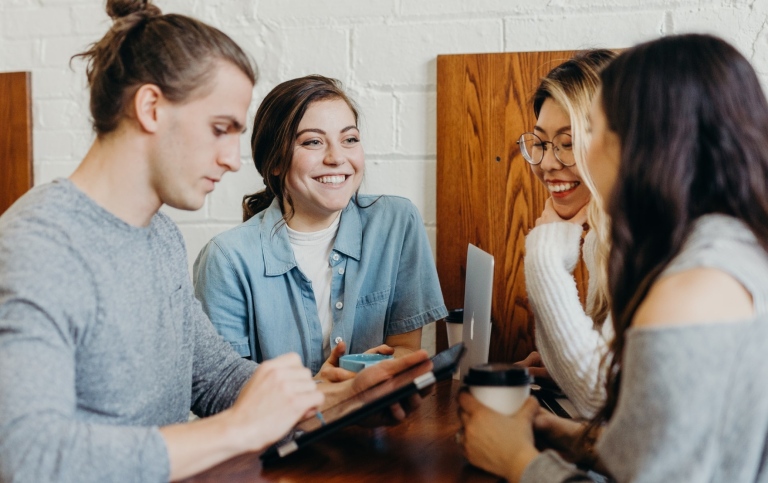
(367, 403)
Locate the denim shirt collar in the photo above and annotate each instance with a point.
(276, 247)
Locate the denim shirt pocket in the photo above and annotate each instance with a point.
(373, 298)
(370, 319)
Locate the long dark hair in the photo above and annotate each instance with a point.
(173, 52)
(692, 120)
(274, 133)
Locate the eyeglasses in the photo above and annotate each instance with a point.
(533, 148)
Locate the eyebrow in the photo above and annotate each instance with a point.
(320, 131)
(232, 120)
(561, 130)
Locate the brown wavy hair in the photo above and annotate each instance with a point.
(274, 134)
(174, 52)
(692, 119)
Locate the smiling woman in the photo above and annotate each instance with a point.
(316, 267)
(570, 340)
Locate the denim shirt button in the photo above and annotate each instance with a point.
(337, 340)
(341, 271)
(339, 305)
(335, 257)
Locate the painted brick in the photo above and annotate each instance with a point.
(405, 54)
(58, 82)
(22, 54)
(226, 201)
(304, 51)
(197, 235)
(565, 32)
(377, 121)
(417, 123)
(53, 145)
(59, 114)
(37, 22)
(743, 32)
(48, 171)
(91, 19)
(187, 216)
(311, 11)
(414, 180)
(58, 51)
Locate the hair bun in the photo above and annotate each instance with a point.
(122, 8)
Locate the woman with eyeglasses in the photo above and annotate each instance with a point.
(570, 340)
(679, 154)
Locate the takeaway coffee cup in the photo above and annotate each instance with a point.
(454, 326)
(501, 387)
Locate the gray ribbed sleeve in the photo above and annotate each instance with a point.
(101, 342)
(570, 347)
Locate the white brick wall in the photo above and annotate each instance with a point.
(383, 50)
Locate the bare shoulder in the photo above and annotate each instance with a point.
(696, 296)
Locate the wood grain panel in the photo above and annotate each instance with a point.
(486, 193)
(15, 137)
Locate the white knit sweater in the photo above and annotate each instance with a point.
(570, 345)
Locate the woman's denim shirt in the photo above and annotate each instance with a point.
(384, 282)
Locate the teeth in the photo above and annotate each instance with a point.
(331, 179)
(560, 187)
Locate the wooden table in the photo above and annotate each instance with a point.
(420, 449)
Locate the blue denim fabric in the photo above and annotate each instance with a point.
(384, 282)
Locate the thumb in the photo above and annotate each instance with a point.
(336, 353)
(529, 409)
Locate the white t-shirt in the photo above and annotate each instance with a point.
(313, 252)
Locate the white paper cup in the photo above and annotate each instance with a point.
(455, 333)
(502, 387)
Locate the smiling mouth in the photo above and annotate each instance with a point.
(332, 180)
(562, 187)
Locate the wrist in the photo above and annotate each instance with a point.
(237, 439)
(520, 462)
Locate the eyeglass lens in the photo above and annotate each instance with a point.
(533, 148)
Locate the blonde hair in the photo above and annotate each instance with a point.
(572, 85)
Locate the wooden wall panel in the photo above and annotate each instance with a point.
(15, 137)
(486, 193)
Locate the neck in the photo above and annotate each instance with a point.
(115, 174)
(306, 223)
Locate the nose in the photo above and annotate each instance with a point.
(229, 157)
(549, 162)
(334, 155)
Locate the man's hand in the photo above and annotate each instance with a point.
(279, 394)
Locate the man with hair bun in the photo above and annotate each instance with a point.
(103, 347)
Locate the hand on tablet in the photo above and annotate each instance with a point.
(385, 370)
(280, 393)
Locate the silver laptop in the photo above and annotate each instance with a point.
(478, 292)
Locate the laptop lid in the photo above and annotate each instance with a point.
(478, 291)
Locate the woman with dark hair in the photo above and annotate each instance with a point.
(571, 341)
(680, 154)
(318, 268)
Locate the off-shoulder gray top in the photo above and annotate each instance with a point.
(693, 404)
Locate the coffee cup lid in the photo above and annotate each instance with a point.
(455, 316)
(497, 374)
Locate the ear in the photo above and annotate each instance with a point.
(146, 102)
